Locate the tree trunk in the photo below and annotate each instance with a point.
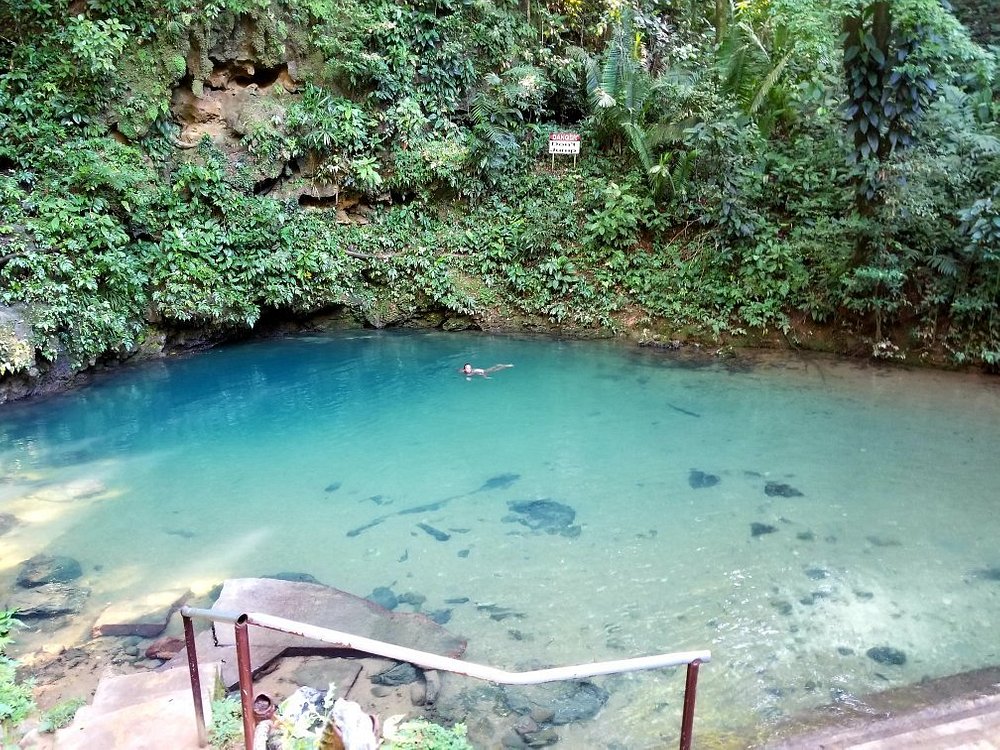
(721, 20)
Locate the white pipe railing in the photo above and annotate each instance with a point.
(427, 660)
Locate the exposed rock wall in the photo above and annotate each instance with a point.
(17, 353)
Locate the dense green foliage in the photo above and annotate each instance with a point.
(766, 165)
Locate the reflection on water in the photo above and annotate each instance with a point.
(796, 516)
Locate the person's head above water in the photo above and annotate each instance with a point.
(467, 368)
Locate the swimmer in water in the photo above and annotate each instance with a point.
(468, 370)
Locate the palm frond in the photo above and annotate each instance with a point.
(637, 137)
(768, 83)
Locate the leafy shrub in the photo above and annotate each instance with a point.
(226, 732)
(420, 734)
(61, 715)
(16, 700)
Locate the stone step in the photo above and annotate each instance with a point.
(142, 711)
(165, 722)
(118, 691)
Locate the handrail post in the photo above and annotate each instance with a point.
(690, 691)
(246, 679)
(195, 674)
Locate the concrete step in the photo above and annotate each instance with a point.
(143, 711)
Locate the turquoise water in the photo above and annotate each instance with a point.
(262, 458)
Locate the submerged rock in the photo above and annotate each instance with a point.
(560, 702)
(499, 482)
(780, 489)
(816, 574)
(759, 529)
(48, 600)
(887, 655)
(400, 674)
(440, 616)
(412, 598)
(332, 487)
(699, 479)
(7, 522)
(43, 569)
(384, 597)
(806, 536)
(544, 515)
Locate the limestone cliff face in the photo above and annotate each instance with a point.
(241, 78)
(17, 353)
(22, 373)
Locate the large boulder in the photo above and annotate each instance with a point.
(44, 569)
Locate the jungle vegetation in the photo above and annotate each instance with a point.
(747, 166)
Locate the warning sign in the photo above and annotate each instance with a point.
(564, 143)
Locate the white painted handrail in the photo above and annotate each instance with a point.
(428, 660)
(479, 671)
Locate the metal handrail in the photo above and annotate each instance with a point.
(340, 639)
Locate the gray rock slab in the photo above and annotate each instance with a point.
(225, 656)
(327, 607)
(146, 616)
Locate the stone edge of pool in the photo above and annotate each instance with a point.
(964, 707)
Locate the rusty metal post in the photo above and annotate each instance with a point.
(195, 674)
(246, 680)
(690, 691)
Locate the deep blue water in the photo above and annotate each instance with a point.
(275, 456)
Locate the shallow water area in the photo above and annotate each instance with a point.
(788, 513)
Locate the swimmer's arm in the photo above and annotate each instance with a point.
(497, 367)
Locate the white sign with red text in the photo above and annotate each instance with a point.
(564, 143)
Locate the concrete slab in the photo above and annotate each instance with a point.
(958, 712)
(146, 616)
